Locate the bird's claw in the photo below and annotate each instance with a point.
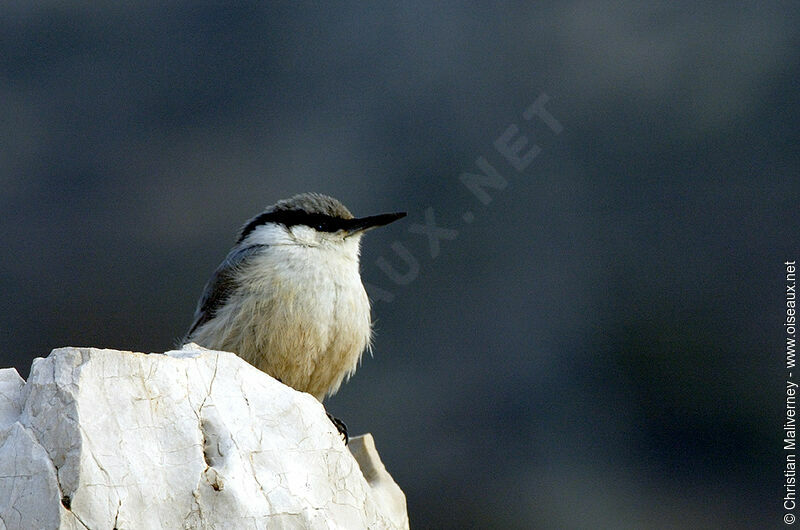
(340, 426)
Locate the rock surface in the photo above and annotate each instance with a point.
(189, 439)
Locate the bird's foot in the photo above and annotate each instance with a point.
(340, 426)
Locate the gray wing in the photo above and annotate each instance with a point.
(220, 286)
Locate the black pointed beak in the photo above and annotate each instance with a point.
(362, 224)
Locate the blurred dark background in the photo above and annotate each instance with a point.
(601, 347)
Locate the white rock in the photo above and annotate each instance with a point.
(191, 439)
(10, 396)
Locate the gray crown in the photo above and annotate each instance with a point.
(313, 203)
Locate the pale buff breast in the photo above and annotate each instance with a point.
(304, 318)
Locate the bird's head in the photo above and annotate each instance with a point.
(312, 220)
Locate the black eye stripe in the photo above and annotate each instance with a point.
(288, 218)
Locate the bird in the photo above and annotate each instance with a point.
(289, 299)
